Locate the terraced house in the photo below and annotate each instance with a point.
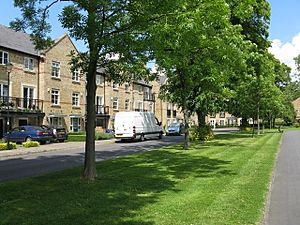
(42, 89)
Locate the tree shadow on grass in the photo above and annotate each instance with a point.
(125, 185)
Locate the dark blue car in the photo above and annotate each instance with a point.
(29, 133)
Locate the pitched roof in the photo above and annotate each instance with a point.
(16, 40)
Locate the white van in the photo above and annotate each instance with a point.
(136, 125)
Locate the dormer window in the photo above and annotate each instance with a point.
(28, 63)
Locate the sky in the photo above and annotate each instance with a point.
(284, 29)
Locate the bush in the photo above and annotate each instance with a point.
(297, 125)
(81, 136)
(246, 129)
(204, 133)
(29, 144)
(76, 133)
(103, 136)
(76, 137)
(3, 146)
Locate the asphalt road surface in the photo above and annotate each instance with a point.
(17, 167)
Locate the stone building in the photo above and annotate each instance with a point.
(44, 90)
(296, 104)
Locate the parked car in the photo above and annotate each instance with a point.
(59, 133)
(175, 129)
(137, 125)
(29, 133)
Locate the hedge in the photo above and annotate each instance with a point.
(29, 144)
(3, 146)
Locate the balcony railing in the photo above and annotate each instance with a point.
(21, 104)
(149, 96)
(102, 110)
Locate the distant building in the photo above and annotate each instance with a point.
(296, 104)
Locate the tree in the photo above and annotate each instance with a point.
(108, 28)
(196, 49)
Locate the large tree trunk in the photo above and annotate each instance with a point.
(186, 129)
(90, 159)
(201, 118)
(258, 123)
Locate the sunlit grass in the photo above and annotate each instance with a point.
(224, 181)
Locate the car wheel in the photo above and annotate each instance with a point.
(28, 139)
(142, 138)
(160, 136)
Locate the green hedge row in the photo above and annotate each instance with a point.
(81, 137)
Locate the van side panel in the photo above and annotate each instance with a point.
(131, 125)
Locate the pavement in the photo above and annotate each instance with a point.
(48, 147)
(284, 202)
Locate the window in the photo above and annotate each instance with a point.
(76, 75)
(115, 86)
(115, 103)
(126, 87)
(28, 97)
(56, 121)
(28, 63)
(151, 108)
(139, 106)
(127, 104)
(222, 123)
(75, 124)
(55, 69)
(222, 114)
(212, 115)
(169, 108)
(99, 79)
(3, 90)
(75, 99)
(55, 97)
(99, 105)
(4, 59)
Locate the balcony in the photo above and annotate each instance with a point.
(149, 97)
(102, 110)
(21, 104)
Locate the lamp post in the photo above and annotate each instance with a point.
(9, 67)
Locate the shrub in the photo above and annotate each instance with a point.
(297, 125)
(203, 133)
(246, 129)
(76, 133)
(29, 144)
(3, 146)
(76, 137)
(103, 136)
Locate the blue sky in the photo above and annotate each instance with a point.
(284, 27)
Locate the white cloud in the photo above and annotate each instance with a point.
(286, 52)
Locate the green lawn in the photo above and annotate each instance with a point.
(224, 181)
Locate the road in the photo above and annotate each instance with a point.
(17, 167)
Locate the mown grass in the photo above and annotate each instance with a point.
(224, 181)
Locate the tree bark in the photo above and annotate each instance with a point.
(186, 129)
(90, 172)
(201, 118)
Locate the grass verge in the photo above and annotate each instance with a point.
(224, 181)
